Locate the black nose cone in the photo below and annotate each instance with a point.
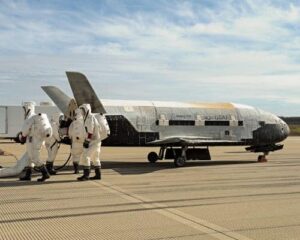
(285, 130)
(271, 133)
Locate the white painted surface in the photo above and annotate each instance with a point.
(140, 103)
(2, 120)
(17, 169)
(243, 106)
(15, 118)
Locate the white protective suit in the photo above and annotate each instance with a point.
(17, 169)
(52, 143)
(36, 129)
(77, 135)
(92, 128)
(92, 143)
(104, 127)
(29, 111)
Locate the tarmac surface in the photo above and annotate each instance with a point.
(230, 197)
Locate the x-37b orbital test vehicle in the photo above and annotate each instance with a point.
(183, 131)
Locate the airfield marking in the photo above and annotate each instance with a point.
(204, 226)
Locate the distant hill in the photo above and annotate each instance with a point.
(291, 120)
(294, 124)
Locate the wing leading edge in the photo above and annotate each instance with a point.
(190, 141)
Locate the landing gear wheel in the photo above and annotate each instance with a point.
(179, 161)
(262, 158)
(152, 157)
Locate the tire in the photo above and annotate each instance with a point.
(262, 159)
(179, 161)
(152, 157)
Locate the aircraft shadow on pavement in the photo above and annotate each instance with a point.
(128, 168)
(123, 168)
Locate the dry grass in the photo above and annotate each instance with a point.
(295, 130)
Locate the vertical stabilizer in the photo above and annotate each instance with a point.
(61, 100)
(84, 92)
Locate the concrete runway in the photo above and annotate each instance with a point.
(231, 197)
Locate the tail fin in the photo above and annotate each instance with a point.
(61, 100)
(84, 92)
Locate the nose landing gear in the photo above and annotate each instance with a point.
(262, 158)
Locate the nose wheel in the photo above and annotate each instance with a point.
(262, 158)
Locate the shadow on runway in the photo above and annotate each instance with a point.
(123, 168)
(127, 168)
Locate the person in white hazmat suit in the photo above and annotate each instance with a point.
(29, 111)
(91, 144)
(77, 135)
(35, 131)
(52, 143)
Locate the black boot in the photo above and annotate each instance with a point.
(97, 174)
(27, 175)
(85, 176)
(50, 169)
(45, 174)
(76, 168)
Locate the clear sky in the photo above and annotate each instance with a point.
(203, 50)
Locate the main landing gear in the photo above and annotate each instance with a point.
(180, 159)
(179, 154)
(263, 158)
(153, 156)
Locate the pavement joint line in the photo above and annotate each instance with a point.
(202, 225)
